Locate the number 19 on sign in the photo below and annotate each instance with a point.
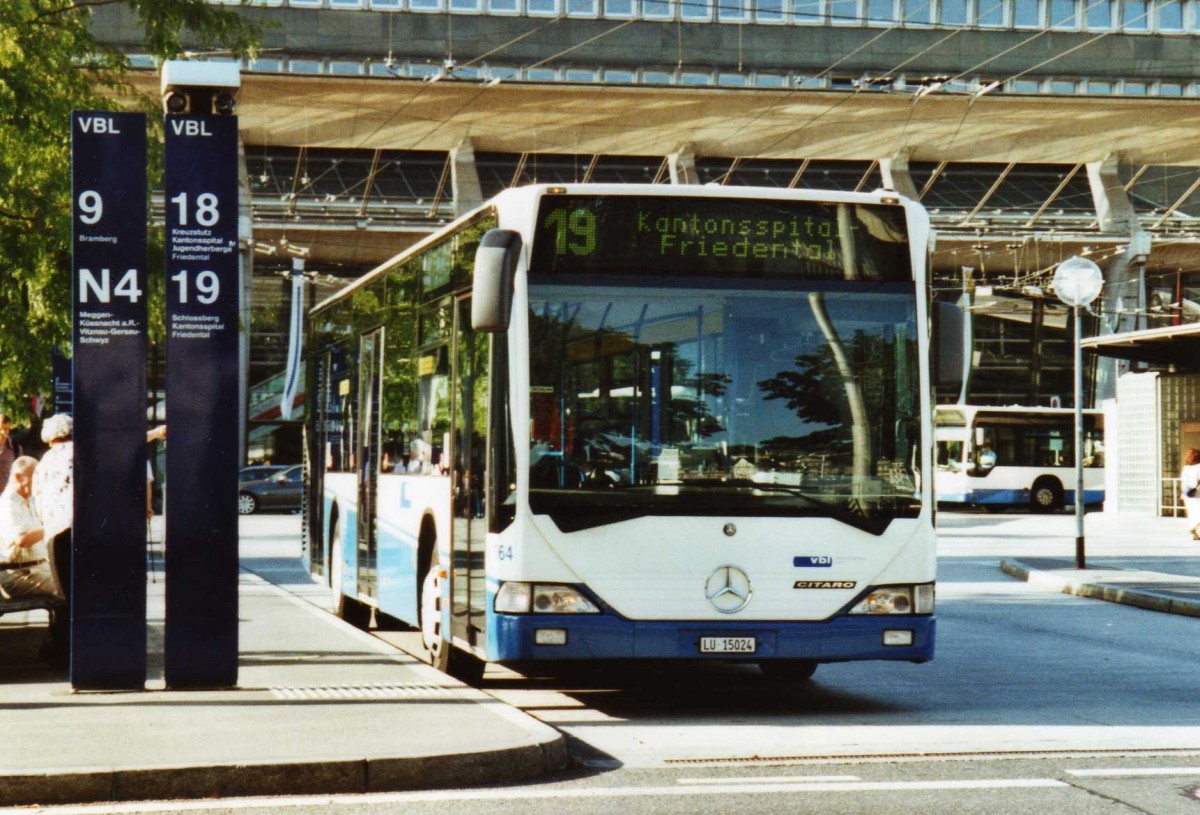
(206, 285)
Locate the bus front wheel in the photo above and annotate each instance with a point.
(1046, 495)
(438, 650)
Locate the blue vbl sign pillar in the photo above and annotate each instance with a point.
(202, 261)
(108, 217)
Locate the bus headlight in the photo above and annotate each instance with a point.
(897, 600)
(548, 599)
(542, 598)
(513, 598)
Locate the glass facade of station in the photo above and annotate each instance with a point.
(1014, 23)
(1150, 16)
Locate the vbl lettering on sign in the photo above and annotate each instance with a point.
(100, 125)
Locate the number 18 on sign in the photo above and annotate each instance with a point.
(202, 411)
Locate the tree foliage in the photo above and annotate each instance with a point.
(51, 64)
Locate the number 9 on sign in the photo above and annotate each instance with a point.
(91, 207)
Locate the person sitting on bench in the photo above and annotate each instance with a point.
(25, 570)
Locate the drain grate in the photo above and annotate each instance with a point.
(369, 691)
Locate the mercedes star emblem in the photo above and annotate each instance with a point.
(728, 589)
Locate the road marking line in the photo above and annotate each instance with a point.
(1132, 772)
(518, 794)
(766, 779)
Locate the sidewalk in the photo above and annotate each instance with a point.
(1147, 562)
(320, 707)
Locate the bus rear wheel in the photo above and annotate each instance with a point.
(439, 652)
(1046, 495)
(788, 670)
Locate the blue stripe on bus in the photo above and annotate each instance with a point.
(1016, 496)
(607, 636)
(1013, 497)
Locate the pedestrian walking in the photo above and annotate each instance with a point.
(157, 434)
(1189, 487)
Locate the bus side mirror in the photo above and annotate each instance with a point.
(495, 267)
(949, 341)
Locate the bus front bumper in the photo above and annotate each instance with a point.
(520, 637)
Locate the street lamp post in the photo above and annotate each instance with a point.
(1077, 282)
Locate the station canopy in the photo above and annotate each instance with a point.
(412, 114)
(1177, 345)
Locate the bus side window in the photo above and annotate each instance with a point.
(433, 393)
(340, 412)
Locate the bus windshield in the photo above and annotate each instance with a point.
(734, 399)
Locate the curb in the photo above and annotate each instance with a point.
(352, 776)
(1139, 598)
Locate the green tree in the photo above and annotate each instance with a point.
(51, 64)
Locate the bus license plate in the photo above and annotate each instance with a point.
(727, 645)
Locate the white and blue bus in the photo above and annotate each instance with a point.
(1000, 457)
(608, 422)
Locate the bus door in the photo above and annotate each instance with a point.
(370, 384)
(340, 435)
(468, 583)
(315, 460)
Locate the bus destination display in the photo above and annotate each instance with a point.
(721, 236)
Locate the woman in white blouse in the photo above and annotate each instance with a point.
(1189, 486)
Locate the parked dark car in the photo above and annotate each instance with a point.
(280, 491)
(257, 472)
